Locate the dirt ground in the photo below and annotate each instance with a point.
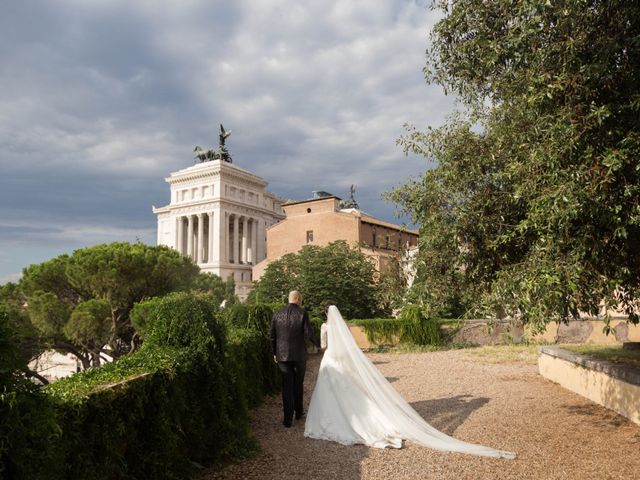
(555, 433)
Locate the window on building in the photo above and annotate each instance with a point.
(386, 242)
(373, 241)
(309, 236)
(308, 210)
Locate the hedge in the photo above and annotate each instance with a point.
(179, 402)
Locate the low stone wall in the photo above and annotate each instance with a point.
(482, 332)
(614, 386)
(360, 337)
(589, 331)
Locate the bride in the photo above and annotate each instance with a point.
(354, 403)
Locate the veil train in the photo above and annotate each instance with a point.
(354, 403)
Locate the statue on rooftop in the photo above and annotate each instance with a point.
(351, 201)
(220, 154)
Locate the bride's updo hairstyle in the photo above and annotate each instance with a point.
(327, 304)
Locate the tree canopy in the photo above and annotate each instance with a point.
(335, 272)
(533, 206)
(80, 303)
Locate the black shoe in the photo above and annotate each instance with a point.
(300, 415)
(286, 424)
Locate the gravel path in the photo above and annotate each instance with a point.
(555, 433)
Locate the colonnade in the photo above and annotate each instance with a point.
(232, 238)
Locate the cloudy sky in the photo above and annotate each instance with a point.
(100, 100)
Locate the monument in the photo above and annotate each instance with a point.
(218, 215)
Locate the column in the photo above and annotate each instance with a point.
(261, 243)
(190, 236)
(180, 234)
(245, 239)
(254, 241)
(224, 248)
(236, 240)
(210, 254)
(200, 252)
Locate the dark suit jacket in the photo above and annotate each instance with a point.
(290, 327)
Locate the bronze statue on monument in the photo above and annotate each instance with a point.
(220, 154)
(351, 202)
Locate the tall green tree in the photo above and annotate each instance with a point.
(125, 273)
(534, 205)
(26, 338)
(335, 272)
(81, 303)
(214, 287)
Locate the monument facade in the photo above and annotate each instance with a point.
(218, 216)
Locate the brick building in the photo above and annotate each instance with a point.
(321, 220)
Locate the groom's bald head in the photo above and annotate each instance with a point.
(295, 297)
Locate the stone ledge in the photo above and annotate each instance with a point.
(622, 372)
(613, 386)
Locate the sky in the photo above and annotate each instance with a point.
(101, 100)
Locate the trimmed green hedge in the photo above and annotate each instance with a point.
(181, 401)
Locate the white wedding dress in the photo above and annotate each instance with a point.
(354, 403)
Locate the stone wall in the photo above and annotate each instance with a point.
(482, 332)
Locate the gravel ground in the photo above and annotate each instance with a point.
(555, 433)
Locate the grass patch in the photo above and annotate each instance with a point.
(611, 353)
(521, 353)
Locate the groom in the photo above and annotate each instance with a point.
(290, 327)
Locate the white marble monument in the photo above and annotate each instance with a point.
(218, 216)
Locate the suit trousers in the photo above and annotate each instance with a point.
(292, 387)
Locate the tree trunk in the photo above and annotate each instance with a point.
(34, 374)
(135, 342)
(85, 359)
(95, 358)
(119, 320)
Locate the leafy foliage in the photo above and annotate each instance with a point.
(215, 288)
(80, 303)
(392, 284)
(125, 273)
(335, 271)
(11, 363)
(533, 208)
(411, 327)
(26, 339)
(179, 401)
(89, 326)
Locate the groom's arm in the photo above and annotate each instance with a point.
(309, 333)
(274, 340)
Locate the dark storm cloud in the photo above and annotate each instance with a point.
(101, 100)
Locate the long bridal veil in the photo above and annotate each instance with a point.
(354, 403)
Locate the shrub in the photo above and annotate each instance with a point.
(417, 328)
(412, 326)
(380, 330)
(181, 400)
